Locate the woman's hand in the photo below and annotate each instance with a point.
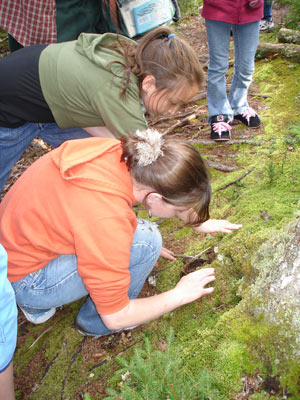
(166, 253)
(192, 286)
(214, 226)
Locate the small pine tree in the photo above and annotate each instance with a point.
(155, 375)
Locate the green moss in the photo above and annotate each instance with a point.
(183, 232)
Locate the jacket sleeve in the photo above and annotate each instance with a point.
(103, 253)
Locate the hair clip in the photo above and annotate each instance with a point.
(171, 35)
(148, 146)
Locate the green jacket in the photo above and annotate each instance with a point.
(83, 90)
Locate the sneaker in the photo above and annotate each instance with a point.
(39, 318)
(249, 118)
(220, 129)
(83, 332)
(266, 25)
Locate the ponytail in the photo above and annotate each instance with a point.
(174, 169)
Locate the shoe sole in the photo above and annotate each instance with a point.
(42, 320)
(85, 333)
(247, 126)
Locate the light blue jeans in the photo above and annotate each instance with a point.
(58, 283)
(245, 44)
(13, 142)
(8, 315)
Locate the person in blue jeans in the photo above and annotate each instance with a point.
(267, 22)
(69, 229)
(242, 18)
(8, 330)
(13, 142)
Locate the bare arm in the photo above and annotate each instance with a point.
(212, 226)
(190, 288)
(100, 131)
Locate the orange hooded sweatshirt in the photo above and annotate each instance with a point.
(76, 199)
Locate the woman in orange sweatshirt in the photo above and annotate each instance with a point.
(69, 230)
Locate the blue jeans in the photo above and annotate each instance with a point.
(58, 283)
(245, 44)
(13, 142)
(268, 10)
(8, 315)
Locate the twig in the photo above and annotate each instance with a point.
(233, 182)
(199, 96)
(120, 352)
(168, 117)
(75, 355)
(259, 95)
(208, 142)
(43, 333)
(220, 167)
(48, 367)
(182, 122)
(3, 39)
(193, 256)
(97, 365)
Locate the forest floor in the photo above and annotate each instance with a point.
(40, 348)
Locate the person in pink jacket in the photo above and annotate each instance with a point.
(242, 17)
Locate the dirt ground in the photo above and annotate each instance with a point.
(221, 156)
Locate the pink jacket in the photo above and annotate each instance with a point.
(233, 11)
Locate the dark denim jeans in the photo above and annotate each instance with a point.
(13, 142)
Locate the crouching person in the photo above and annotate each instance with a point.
(70, 231)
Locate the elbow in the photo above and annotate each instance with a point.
(113, 326)
(112, 323)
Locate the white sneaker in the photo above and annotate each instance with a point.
(266, 25)
(39, 318)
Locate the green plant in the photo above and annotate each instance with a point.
(189, 7)
(292, 18)
(157, 375)
(271, 172)
(292, 138)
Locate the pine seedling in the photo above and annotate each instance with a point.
(159, 375)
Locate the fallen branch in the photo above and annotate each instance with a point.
(73, 359)
(177, 116)
(209, 142)
(291, 51)
(288, 36)
(237, 180)
(220, 167)
(120, 352)
(193, 257)
(49, 365)
(264, 96)
(41, 335)
(182, 123)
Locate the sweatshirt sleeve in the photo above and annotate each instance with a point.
(103, 253)
(121, 116)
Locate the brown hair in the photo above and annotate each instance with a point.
(179, 175)
(172, 61)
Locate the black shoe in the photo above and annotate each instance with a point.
(249, 118)
(220, 129)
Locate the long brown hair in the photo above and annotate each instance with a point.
(179, 174)
(172, 61)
